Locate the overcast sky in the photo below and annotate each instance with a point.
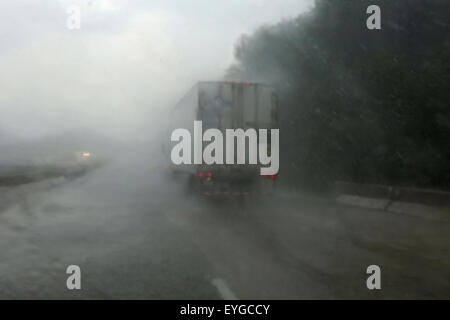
(129, 60)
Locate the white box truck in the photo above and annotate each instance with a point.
(227, 105)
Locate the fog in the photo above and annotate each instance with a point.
(126, 65)
(86, 177)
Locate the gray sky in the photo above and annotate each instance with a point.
(129, 61)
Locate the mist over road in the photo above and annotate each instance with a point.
(92, 92)
(136, 234)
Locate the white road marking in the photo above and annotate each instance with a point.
(224, 291)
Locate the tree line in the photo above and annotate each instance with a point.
(368, 106)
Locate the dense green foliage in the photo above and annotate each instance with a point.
(360, 105)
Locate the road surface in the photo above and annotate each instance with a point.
(136, 235)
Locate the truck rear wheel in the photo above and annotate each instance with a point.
(266, 186)
(192, 185)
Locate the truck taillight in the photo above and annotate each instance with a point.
(209, 174)
(200, 174)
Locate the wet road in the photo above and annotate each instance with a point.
(136, 234)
